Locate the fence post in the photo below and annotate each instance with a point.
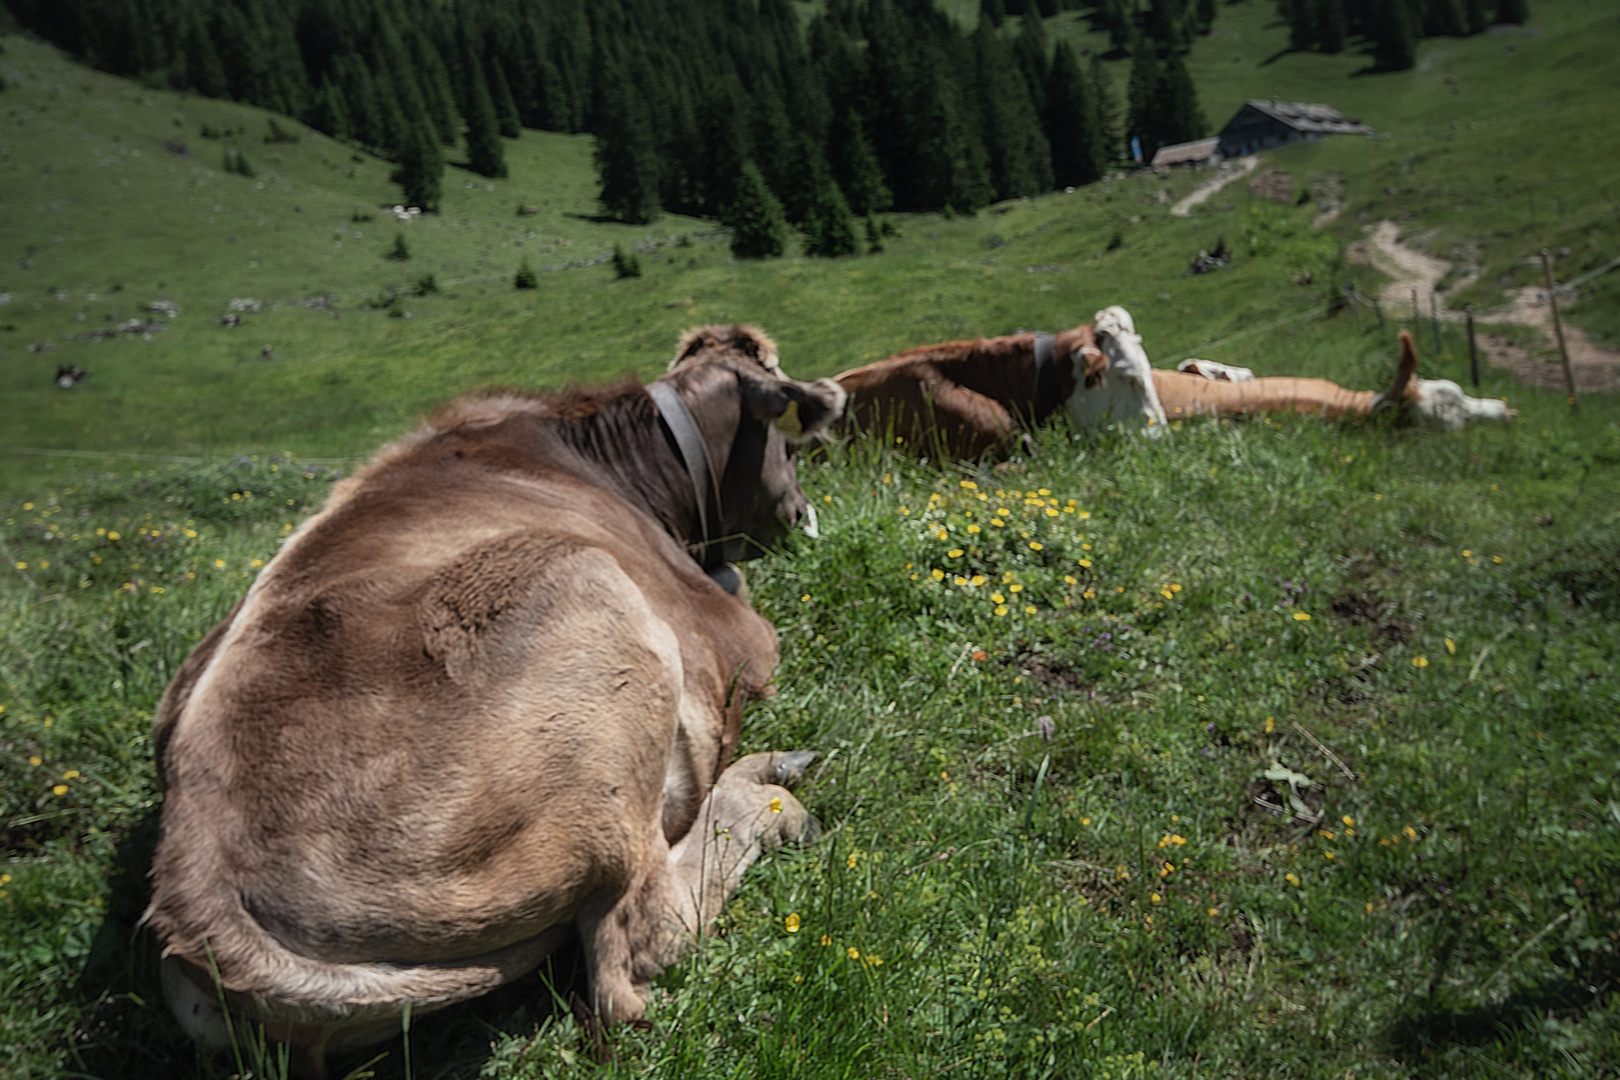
(1417, 312)
(1355, 305)
(1473, 356)
(1378, 310)
(1558, 327)
(1434, 317)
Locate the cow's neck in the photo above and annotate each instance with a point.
(677, 420)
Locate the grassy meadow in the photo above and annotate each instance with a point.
(1260, 749)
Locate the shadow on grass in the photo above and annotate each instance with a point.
(125, 1030)
(1414, 1038)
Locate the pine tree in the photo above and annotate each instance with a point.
(1516, 12)
(829, 230)
(1182, 118)
(1392, 30)
(485, 154)
(1071, 122)
(755, 217)
(401, 251)
(1020, 157)
(434, 81)
(1332, 26)
(1442, 18)
(1474, 16)
(1110, 135)
(201, 67)
(626, 158)
(1167, 25)
(331, 113)
(1142, 98)
(525, 277)
(856, 167)
(1204, 16)
(506, 111)
(421, 167)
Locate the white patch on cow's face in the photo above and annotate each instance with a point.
(1125, 395)
(1442, 402)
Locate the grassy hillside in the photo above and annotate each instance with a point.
(101, 216)
(1273, 748)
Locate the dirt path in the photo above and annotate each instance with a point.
(1594, 368)
(1205, 190)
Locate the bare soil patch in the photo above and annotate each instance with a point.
(1593, 368)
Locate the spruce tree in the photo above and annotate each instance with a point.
(1020, 156)
(1442, 18)
(485, 154)
(1181, 116)
(1391, 26)
(506, 111)
(626, 160)
(1204, 16)
(755, 217)
(1110, 135)
(1071, 122)
(1474, 17)
(1332, 25)
(1142, 99)
(201, 66)
(829, 229)
(421, 167)
(331, 113)
(1516, 12)
(856, 167)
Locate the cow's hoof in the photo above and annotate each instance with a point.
(790, 767)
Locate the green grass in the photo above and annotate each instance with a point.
(1004, 793)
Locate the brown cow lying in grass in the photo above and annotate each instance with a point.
(1204, 388)
(966, 398)
(484, 701)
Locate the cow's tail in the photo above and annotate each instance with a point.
(237, 962)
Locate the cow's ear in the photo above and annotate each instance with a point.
(799, 410)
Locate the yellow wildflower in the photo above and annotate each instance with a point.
(1300, 616)
(776, 805)
(792, 923)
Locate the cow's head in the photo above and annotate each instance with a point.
(1441, 403)
(1120, 391)
(753, 418)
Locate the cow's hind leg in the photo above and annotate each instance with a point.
(748, 811)
(630, 934)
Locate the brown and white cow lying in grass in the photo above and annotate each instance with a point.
(965, 399)
(1205, 388)
(484, 701)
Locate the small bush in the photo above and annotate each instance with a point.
(525, 277)
(399, 252)
(279, 134)
(237, 162)
(426, 285)
(625, 265)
